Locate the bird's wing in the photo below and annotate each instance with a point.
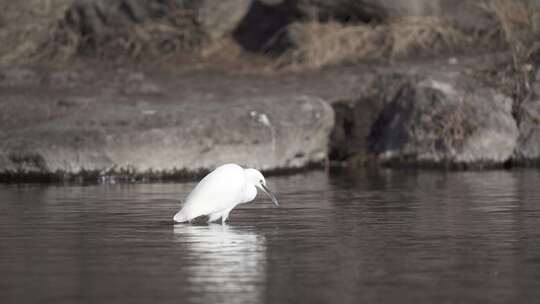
(218, 191)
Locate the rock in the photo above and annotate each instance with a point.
(528, 117)
(120, 30)
(427, 117)
(445, 119)
(18, 75)
(141, 29)
(263, 24)
(528, 145)
(183, 128)
(217, 18)
(221, 18)
(349, 139)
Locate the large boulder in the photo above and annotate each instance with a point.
(221, 18)
(445, 121)
(26, 25)
(216, 18)
(140, 125)
(528, 145)
(145, 30)
(428, 117)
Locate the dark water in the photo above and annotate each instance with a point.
(379, 237)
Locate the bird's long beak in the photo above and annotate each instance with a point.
(269, 193)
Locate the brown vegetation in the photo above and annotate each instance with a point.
(156, 38)
(519, 24)
(310, 44)
(322, 44)
(25, 26)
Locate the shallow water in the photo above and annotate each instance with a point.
(364, 237)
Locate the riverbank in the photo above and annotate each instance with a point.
(90, 122)
(170, 89)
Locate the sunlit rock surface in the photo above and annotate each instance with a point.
(528, 147)
(116, 121)
(427, 116)
(445, 120)
(125, 121)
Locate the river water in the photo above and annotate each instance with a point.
(355, 237)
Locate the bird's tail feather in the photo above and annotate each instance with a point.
(180, 218)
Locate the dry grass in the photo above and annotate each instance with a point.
(322, 44)
(154, 40)
(174, 40)
(428, 35)
(519, 23)
(25, 26)
(63, 45)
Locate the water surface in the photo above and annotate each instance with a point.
(358, 237)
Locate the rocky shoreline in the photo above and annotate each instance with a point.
(90, 123)
(121, 122)
(138, 89)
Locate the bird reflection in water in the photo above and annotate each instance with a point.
(223, 263)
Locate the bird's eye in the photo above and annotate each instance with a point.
(261, 181)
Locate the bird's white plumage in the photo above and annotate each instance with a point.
(220, 191)
(216, 192)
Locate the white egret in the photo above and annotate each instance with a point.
(222, 190)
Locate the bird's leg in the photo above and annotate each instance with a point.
(213, 217)
(225, 216)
